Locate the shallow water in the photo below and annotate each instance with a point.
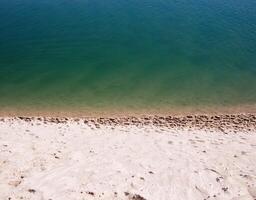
(115, 54)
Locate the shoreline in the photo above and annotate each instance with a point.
(127, 112)
(227, 122)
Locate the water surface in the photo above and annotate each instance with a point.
(127, 54)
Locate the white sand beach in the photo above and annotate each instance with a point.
(77, 161)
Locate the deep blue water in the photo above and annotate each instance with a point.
(59, 54)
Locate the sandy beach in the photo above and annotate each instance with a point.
(194, 157)
(127, 100)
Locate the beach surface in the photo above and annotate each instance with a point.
(178, 158)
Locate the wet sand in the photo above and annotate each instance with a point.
(122, 112)
(151, 157)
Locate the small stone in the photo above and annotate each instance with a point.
(31, 190)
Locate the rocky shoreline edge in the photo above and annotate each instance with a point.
(223, 123)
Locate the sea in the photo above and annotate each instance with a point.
(136, 56)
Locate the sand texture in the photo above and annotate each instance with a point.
(78, 159)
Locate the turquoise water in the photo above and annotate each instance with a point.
(146, 54)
